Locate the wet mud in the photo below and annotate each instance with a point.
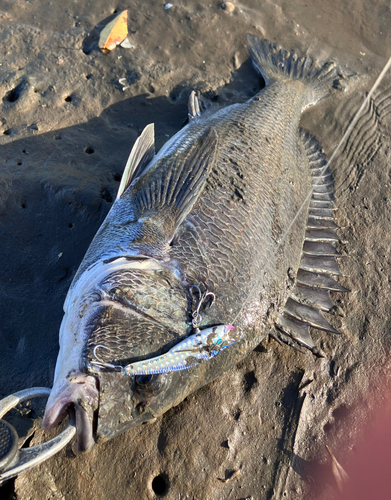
(69, 116)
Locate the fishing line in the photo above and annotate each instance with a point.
(306, 200)
(364, 142)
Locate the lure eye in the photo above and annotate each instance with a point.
(150, 385)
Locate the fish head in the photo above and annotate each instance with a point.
(128, 315)
(127, 402)
(128, 399)
(105, 402)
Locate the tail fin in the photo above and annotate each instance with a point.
(275, 63)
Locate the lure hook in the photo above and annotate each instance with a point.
(197, 318)
(100, 363)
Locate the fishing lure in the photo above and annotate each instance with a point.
(200, 346)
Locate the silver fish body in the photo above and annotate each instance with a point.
(223, 205)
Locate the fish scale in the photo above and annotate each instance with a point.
(223, 206)
(244, 236)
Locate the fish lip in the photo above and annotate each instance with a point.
(79, 396)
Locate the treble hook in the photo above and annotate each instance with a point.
(197, 318)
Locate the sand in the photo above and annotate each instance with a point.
(68, 119)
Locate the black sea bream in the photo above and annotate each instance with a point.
(238, 203)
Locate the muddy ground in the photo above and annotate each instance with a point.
(67, 123)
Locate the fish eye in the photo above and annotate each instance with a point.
(150, 385)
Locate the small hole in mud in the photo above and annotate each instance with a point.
(117, 177)
(24, 151)
(250, 381)
(8, 131)
(161, 485)
(89, 150)
(175, 94)
(23, 205)
(89, 76)
(68, 98)
(19, 163)
(237, 415)
(70, 225)
(13, 94)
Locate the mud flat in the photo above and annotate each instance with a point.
(69, 116)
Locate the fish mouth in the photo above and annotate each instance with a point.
(78, 395)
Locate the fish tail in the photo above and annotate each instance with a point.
(276, 63)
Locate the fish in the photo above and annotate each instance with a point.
(238, 206)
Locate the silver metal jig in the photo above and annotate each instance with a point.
(201, 346)
(14, 461)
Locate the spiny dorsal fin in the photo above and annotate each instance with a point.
(318, 262)
(142, 153)
(197, 105)
(193, 106)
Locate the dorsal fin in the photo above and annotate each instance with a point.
(197, 105)
(318, 264)
(163, 197)
(142, 153)
(174, 186)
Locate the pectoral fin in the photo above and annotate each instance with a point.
(142, 153)
(167, 193)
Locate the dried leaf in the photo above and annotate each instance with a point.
(114, 32)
